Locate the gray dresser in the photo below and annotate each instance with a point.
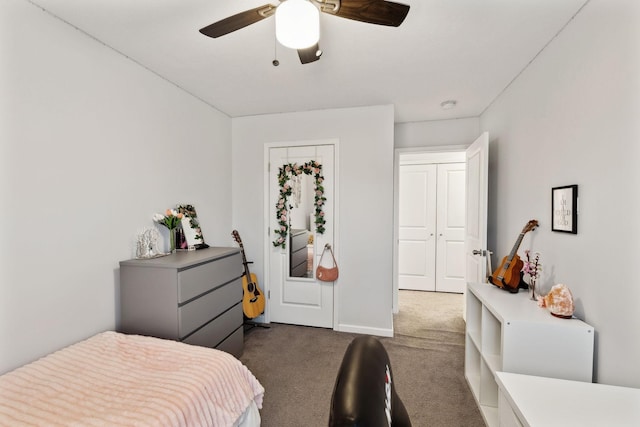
(194, 297)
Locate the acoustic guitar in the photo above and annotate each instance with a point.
(252, 298)
(508, 275)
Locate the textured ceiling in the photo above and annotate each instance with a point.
(467, 50)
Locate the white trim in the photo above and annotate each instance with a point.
(266, 211)
(365, 330)
(439, 157)
(434, 149)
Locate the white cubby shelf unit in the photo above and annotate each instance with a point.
(508, 332)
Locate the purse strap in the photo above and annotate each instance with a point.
(328, 246)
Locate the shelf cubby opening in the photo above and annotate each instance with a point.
(491, 334)
(488, 387)
(474, 316)
(472, 367)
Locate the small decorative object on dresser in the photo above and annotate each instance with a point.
(191, 227)
(559, 301)
(147, 244)
(171, 219)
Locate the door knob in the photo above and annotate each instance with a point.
(477, 252)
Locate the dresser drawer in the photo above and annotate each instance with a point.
(234, 343)
(218, 329)
(199, 279)
(196, 313)
(299, 240)
(299, 256)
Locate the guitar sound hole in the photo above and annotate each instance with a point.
(250, 287)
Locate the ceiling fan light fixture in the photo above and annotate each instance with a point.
(297, 24)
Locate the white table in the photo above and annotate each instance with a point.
(532, 401)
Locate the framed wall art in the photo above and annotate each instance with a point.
(564, 209)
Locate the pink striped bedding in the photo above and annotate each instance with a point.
(115, 379)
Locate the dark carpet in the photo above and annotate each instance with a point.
(297, 365)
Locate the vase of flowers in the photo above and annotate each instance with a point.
(532, 267)
(171, 219)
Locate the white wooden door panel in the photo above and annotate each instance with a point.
(301, 300)
(477, 184)
(450, 269)
(417, 222)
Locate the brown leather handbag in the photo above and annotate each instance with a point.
(327, 274)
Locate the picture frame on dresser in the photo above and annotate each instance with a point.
(191, 227)
(564, 209)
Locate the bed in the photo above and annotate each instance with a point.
(116, 379)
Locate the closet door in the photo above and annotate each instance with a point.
(450, 256)
(417, 227)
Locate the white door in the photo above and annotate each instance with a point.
(477, 156)
(293, 299)
(431, 206)
(450, 259)
(417, 227)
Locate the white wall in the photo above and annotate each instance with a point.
(437, 133)
(573, 117)
(364, 247)
(91, 146)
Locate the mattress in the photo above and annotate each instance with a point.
(116, 379)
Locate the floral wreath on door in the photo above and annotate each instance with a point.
(285, 174)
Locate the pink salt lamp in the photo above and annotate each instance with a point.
(559, 301)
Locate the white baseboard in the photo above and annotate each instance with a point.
(365, 330)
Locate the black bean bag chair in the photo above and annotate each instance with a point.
(364, 394)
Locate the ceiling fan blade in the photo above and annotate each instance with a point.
(310, 54)
(379, 12)
(238, 21)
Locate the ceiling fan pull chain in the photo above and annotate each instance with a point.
(275, 61)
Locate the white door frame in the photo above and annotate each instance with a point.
(266, 287)
(396, 203)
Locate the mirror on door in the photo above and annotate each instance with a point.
(301, 215)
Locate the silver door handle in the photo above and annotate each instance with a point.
(481, 252)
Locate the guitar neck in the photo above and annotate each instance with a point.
(515, 247)
(245, 263)
(507, 262)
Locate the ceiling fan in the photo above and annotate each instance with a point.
(380, 12)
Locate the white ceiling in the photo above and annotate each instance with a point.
(467, 50)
